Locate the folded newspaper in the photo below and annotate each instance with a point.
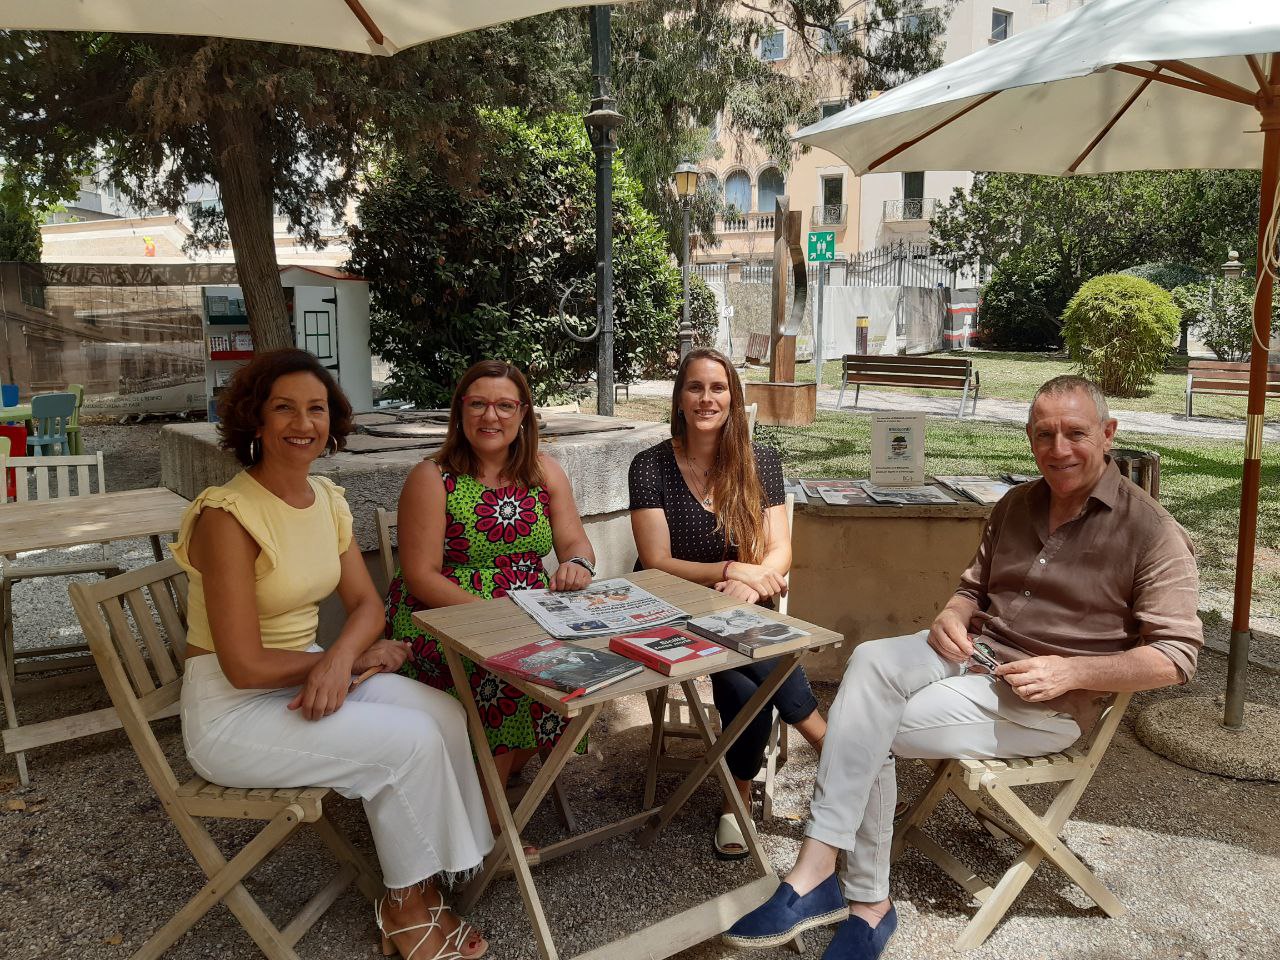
(606, 607)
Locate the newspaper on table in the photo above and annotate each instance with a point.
(606, 607)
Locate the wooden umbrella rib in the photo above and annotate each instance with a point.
(1255, 67)
(366, 21)
(1184, 84)
(1133, 97)
(1211, 80)
(907, 145)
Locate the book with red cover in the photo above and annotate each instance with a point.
(669, 651)
(574, 670)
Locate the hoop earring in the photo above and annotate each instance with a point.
(255, 448)
(331, 446)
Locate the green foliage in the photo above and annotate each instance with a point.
(459, 274)
(1119, 330)
(1021, 306)
(683, 69)
(1166, 275)
(1060, 231)
(19, 228)
(1222, 314)
(704, 313)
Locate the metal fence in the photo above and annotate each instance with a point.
(899, 264)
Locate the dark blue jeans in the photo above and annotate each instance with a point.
(731, 689)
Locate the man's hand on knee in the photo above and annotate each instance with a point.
(949, 636)
(1037, 679)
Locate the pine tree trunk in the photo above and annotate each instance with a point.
(244, 178)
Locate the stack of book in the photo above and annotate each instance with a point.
(977, 488)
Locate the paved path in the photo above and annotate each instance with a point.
(1005, 411)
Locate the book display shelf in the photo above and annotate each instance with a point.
(228, 342)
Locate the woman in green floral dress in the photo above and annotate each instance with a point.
(475, 522)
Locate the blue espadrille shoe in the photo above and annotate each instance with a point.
(856, 939)
(786, 914)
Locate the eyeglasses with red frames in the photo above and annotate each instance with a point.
(476, 407)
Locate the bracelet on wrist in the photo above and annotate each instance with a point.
(724, 574)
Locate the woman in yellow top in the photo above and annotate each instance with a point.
(264, 706)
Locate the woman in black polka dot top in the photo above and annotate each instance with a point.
(708, 505)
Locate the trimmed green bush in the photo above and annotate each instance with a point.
(1119, 331)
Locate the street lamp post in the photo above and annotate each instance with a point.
(686, 187)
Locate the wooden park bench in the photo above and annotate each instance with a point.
(1225, 377)
(934, 373)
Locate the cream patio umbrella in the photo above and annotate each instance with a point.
(1115, 85)
(379, 27)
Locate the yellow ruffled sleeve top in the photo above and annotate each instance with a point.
(298, 561)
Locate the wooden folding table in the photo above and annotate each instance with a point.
(481, 630)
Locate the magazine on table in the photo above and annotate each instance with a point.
(955, 482)
(978, 489)
(669, 651)
(572, 669)
(815, 488)
(908, 495)
(986, 491)
(605, 607)
(750, 633)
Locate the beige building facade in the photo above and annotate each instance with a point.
(863, 212)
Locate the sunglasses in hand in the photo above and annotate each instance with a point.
(983, 656)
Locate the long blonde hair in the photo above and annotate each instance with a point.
(735, 486)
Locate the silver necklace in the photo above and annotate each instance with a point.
(700, 491)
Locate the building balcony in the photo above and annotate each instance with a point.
(747, 223)
(914, 208)
(829, 215)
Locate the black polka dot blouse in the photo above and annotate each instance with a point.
(655, 482)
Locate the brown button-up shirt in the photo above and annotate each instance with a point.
(1122, 573)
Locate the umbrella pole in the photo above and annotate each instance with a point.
(1238, 662)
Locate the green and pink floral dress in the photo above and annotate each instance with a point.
(494, 542)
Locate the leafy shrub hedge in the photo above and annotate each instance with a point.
(1119, 329)
(1165, 274)
(1021, 306)
(459, 272)
(1221, 312)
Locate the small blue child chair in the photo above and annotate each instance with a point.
(51, 413)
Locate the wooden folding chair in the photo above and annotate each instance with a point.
(672, 721)
(45, 478)
(985, 787)
(136, 632)
(388, 520)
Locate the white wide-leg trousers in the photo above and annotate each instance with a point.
(398, 745)
(899, 698)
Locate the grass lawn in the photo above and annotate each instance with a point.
(1015, 376)
(1199, 479)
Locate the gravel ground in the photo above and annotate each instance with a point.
(90, 865)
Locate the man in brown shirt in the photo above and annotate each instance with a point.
(1083, 586)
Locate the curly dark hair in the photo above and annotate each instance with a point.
(240, 403)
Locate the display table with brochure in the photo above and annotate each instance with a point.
(483, 631)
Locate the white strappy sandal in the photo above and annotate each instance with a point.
(449, 950)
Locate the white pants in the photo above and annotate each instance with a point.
(900, 698)
(398, 745)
